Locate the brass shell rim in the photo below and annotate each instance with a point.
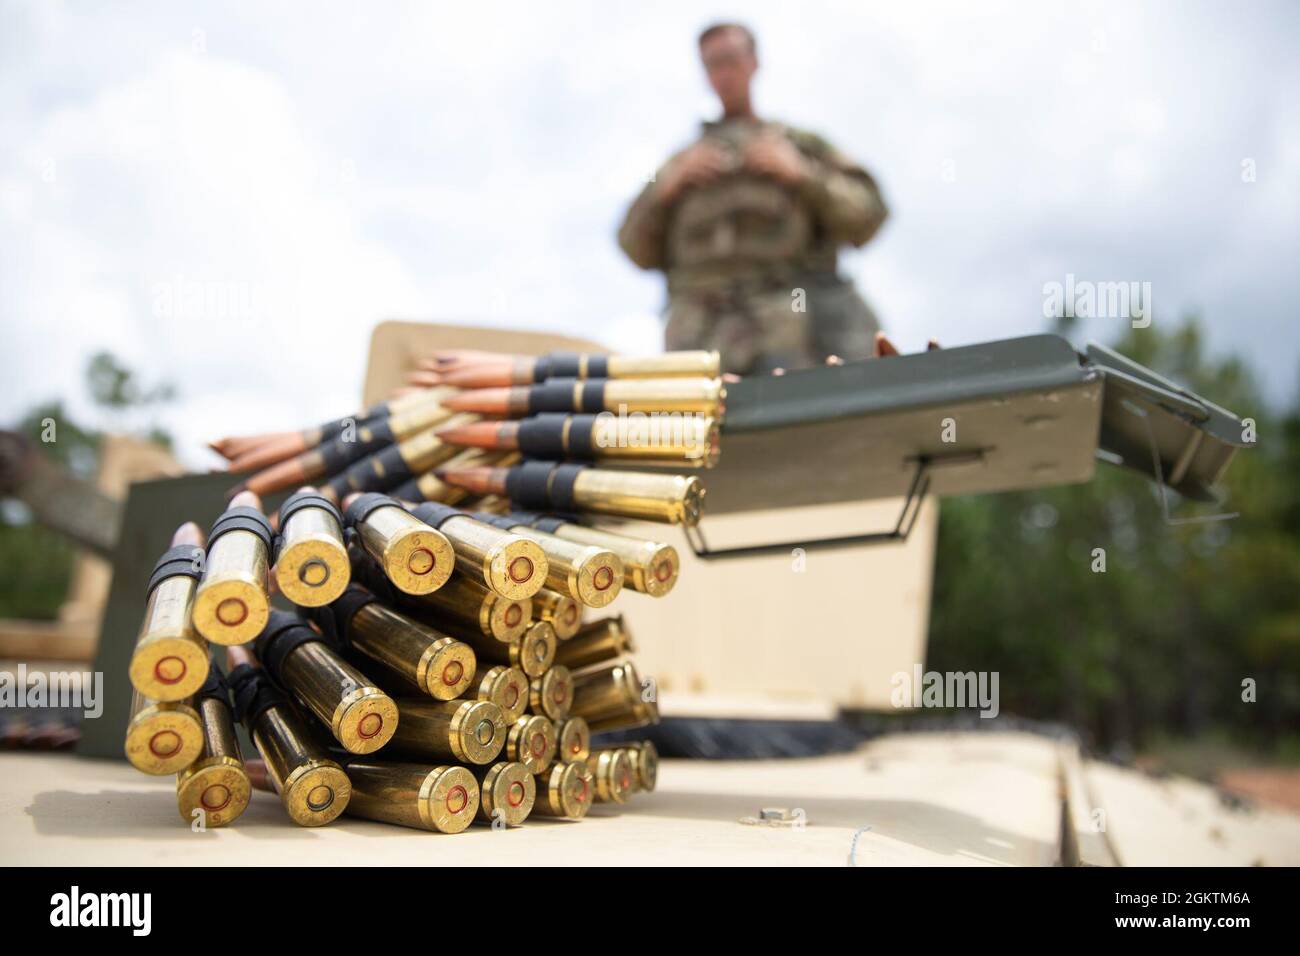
(397, 556)
(516, 710)
(310, 774)
(230, 772)
(568, 726)
(529, 662)
(437, 789)
(647, 765)
(593, 563)
(210, 596)
(657, 586)
(568, 607)
(321, 548)
(570, 803)
(499, 781)
(496, 613)
(467, 719)
(612, 785)
(542, 697)
(353, 709)
(521, 741)
(691, 507)
(432, 669)
(192, 653)
(180, 720)
(500, 561)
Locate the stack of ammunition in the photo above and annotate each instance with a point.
(464, 429)
(436, 669)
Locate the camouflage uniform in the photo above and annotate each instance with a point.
(751, 263)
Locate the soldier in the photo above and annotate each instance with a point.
(745, 224)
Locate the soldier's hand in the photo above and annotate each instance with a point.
(700, 163)
(773, 155)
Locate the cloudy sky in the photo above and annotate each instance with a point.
(229, 197)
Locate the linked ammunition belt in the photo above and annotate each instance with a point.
(183, 560)
(284, 634)
(417, 682)
(570, 365)
(542, 485)
(242, 519)
(307, 499)
(254, 694)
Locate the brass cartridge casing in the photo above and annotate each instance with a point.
(676, 499)
(573, 739)
(404, 403)
(162, 737)
(509, 564)
(537, 649)
(645, 763)
(441, 666)
(551, 694)
(685, 364)
(472, 604)
(216, 782)
(508, 792)
(424, 450)
(586, 573)
(649, 567)
(312, 567)
(689, 439)
(416, 558)
(313, 788)
(507, 687)
(433, 488)
(420, 416)
(467, 731)
(532, 654)
(704, 396)
(442, 799)
(611, 698)
(564, 791)
(531, 742)
(359, 715)
(562, 612)
(170, 661)
(231, 604)
(597, 642)
(612, 774)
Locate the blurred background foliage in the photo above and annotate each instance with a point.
(37, 561)
(1156, 649)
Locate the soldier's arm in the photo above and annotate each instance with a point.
(843, 196)
(642, 234)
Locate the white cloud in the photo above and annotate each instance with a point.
(281, 177)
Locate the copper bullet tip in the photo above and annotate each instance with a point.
(483, 401)
(246, 499)
(188, 533)
(473, 434)
(480, 481)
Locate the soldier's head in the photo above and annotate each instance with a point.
(730, 57)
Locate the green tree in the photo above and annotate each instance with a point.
(1160, 643)
(38, 561)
